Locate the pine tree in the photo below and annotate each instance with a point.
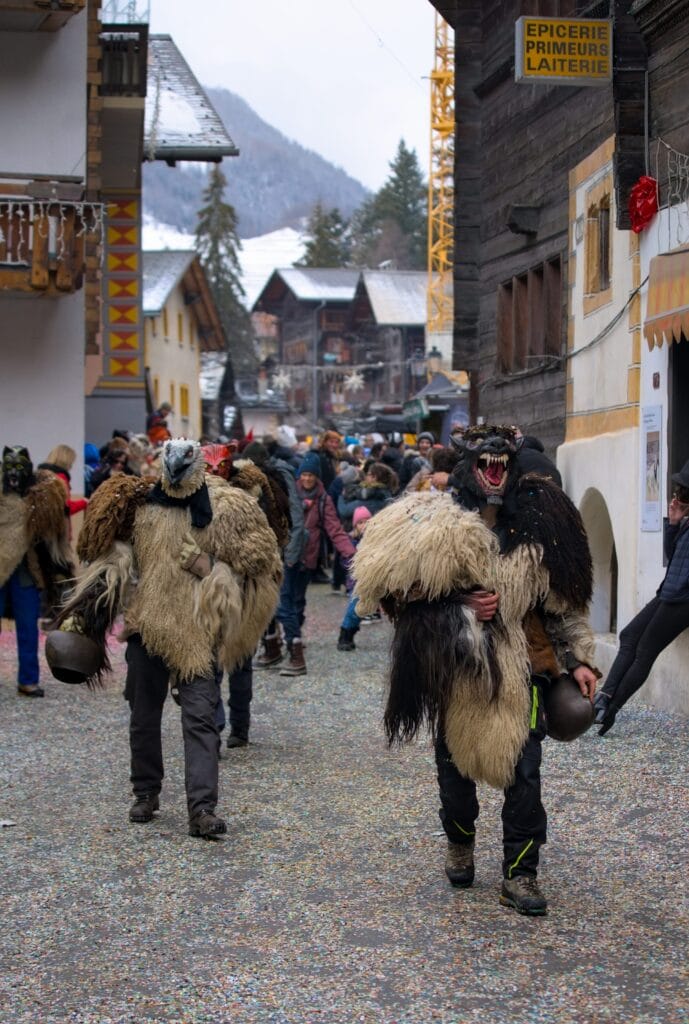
(327, 244)
(365, 232)
(218, 244)
(392, 225)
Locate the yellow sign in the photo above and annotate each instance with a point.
(563, 51)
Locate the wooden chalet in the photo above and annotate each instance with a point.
(388, 323)
(573, 325)
(350, 342)
(312, 308)
(515, 145)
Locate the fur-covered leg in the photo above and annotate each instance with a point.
(435, 642)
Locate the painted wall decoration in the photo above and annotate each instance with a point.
(123, 356)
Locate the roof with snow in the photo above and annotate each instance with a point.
(310, 284)
(180, 121)
(162, 271)
(167, 269)
(397, 297)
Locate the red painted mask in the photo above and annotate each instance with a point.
(218, 459)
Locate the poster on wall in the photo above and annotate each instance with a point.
(651, 477)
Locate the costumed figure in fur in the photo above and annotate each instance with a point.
(243, 473)
(34, 555)
(488, 592)
(194, 567)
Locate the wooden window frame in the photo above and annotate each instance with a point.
(184, 401)
(552, 286)
(529, 318)
(598, 237)
(505, 329)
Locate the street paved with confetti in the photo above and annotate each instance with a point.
(327, 900)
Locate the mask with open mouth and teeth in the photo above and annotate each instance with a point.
(487, 469)
(17, 470)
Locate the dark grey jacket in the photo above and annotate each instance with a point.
(297, 533)
(675, 587)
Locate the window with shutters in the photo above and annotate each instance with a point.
(529, 318)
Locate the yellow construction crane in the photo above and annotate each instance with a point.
(439, 317)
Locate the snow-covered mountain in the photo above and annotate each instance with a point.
(272, 184)
(258, 257)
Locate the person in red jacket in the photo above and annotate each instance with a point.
(320, 518)
(60, 461)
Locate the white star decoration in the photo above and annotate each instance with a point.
(354, 381)
(281, 380)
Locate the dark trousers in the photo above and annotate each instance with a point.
(524, 822)
(241, 691)
(292, 606)
(146, 690)
(641, 641)
(339, 572)
(26, 608)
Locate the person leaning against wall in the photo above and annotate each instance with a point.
(660, 622)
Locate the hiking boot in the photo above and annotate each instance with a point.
(272, 652)
(346, 640)
(235, 740)
(320, 577)
(459, 864)
(207, 825)
(523, 894)
(296, 666)
(143, 808)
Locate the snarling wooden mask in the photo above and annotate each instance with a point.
(488, 465)
(17, 470)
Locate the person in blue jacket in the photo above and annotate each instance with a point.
(660, 622)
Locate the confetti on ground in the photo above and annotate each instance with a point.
(327, 900)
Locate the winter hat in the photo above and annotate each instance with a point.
(91, 456)
(257, 452)
(427, 435)
(361, 514)
(285, 436)
(682, 478)
(310, 464)
(350, 475)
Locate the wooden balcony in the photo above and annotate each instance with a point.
(124, 61)
(37, 15)
(42, 245)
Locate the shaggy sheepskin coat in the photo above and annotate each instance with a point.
(191, 623)
(441, 549)
(26, 522)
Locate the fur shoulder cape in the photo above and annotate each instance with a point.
(272, 498)
(14, 541)
(110, 515)
(192, 624)
(36, 519)
(469, 679)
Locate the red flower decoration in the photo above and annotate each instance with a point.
(643, 203)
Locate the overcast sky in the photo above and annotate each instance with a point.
(346, 78)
